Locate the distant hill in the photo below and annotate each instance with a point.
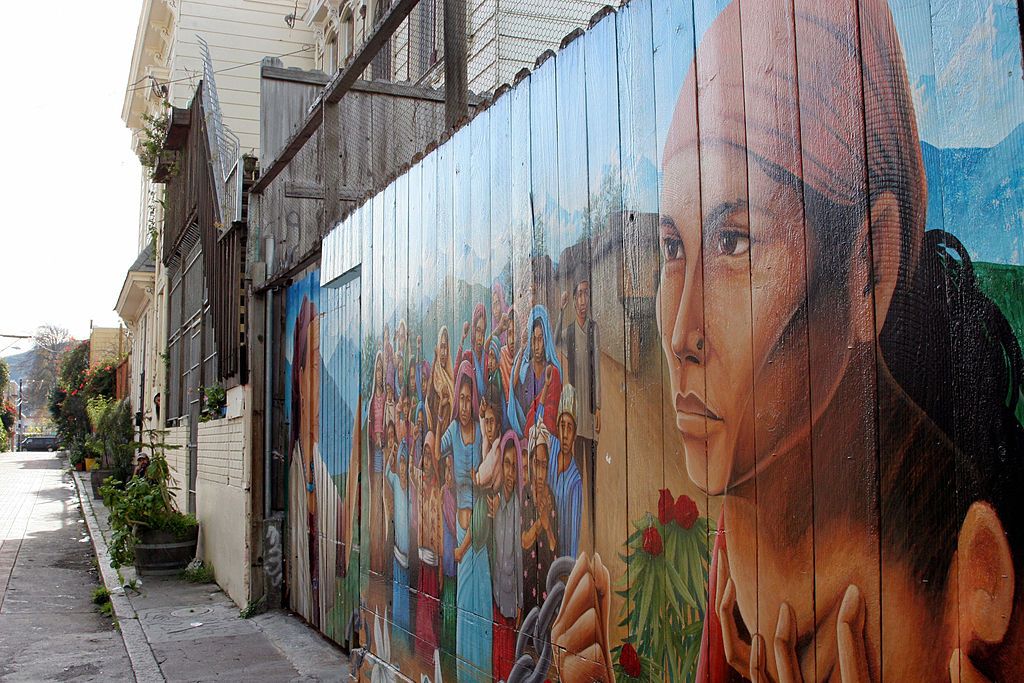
(21, 364)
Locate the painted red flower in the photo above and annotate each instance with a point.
(686, 512)
(629, 661)
(665, 511)
(652, 541)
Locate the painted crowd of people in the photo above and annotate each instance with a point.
(480, 458)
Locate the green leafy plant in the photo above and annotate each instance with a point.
(665, 599)
(151, 138)
(113, 431)
(198, 572)
(143, 503)
(252, 609)
(100, 595)
(215, 399)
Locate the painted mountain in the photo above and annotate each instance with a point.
(978, 195)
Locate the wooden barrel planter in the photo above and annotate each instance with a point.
(160, 553)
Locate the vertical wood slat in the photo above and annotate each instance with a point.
(191, 199)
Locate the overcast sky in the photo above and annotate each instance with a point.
(69, 182)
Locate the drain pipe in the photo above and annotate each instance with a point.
(268, 383)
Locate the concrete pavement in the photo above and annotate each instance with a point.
(177, 631)
(49, 628)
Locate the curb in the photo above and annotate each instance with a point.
(143, 661)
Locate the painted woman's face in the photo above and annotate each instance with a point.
(719, 243)
(479, 333)
(442, 347)
(508, 469)
(490, 423)
(566, 430)
(378, 373)
(537, 345)
(465, 404)
(540, 466)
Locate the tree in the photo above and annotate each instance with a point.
(50, 343)
(67, 398)
(5, 378)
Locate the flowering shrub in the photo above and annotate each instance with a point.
(666, 595)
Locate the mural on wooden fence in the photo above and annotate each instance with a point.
(693, 357)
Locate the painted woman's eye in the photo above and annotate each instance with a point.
(671, 242)
(673, 248)
(733, 243)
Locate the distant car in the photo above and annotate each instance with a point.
(39, 442)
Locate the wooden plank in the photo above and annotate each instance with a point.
(279, 73)
(843, 386)
(455, 66)
(643, 398)
(303, 190)
(444, 353)
(339, 85)
(544, 182)
(369, 348)
(570, 251)
(612, 527)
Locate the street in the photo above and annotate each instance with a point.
(49, 628)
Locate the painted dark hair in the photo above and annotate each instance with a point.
(952, 351)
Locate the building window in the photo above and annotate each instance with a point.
(330, 53)
(348, 37)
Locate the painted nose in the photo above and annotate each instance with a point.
(688, 329)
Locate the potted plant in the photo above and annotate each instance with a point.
(148, 529)
(215, 403)
(92, 456)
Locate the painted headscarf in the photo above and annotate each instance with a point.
(539, 434)
(516, 418)
(428, 443)
(479, 362)
(465, 373)
(567, 402)
(441, 374)
(375, 406)
(417, 448)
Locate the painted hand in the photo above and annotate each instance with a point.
(737, 651)
(853, 660)
(565, 299)
(580, 631)
(850, 644)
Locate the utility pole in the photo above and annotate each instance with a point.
(19, 428)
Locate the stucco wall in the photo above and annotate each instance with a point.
(222, 505)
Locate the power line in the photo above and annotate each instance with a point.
(304, 48)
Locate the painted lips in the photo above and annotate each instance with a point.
(693, 416)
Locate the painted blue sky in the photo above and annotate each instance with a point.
(967, 82)
(965, 71)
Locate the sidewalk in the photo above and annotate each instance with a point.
(177, 631)
(49, 628)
